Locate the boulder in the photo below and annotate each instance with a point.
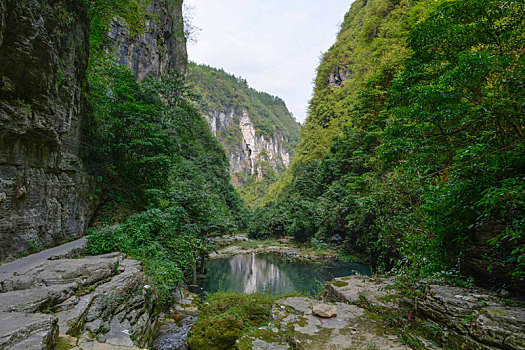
(325, 310)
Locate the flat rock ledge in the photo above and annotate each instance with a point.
(470, 319)
(454, 317)
(359, 289)
(295, 326)
(99, 302)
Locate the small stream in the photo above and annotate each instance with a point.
(250, 273)
(172, 335)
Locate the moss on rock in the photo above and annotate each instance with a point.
(340, 283)
(216, 333)
(227, 317)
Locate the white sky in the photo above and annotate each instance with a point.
(274, 44)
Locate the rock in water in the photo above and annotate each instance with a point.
(325, 310)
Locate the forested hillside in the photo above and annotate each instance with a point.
(413, 150)
(256, 129)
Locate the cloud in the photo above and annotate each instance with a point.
(274, 44)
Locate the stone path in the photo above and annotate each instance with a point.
(22, 265)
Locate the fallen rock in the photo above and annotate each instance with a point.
(325, 310)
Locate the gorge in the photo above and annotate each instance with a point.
(129, 175)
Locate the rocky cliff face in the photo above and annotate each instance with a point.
(252, 150)
(160, 48)
(43, 190)
(44, 193)
(256, 129)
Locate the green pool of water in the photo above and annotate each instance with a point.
(273, 273)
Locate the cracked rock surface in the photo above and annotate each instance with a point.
(96, 302)
(472, 318)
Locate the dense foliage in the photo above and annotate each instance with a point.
(162, 178)
(414, 146)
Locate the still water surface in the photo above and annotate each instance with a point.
(272, 273)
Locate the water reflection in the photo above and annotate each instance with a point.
(250, 273)
(271, 273)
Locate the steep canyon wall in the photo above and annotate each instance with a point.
(256, 129)
(160, 48)
(44, 194)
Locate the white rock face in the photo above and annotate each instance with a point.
(251, 148)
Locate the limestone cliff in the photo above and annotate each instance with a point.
(44, 196)
(44, 51)
(256, 129)
(162, 45)
(251, 149)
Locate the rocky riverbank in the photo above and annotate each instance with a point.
(53, 300)
(452, 317)
(367, 313)
(296, 323)
(229, 246)
(81, 303)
